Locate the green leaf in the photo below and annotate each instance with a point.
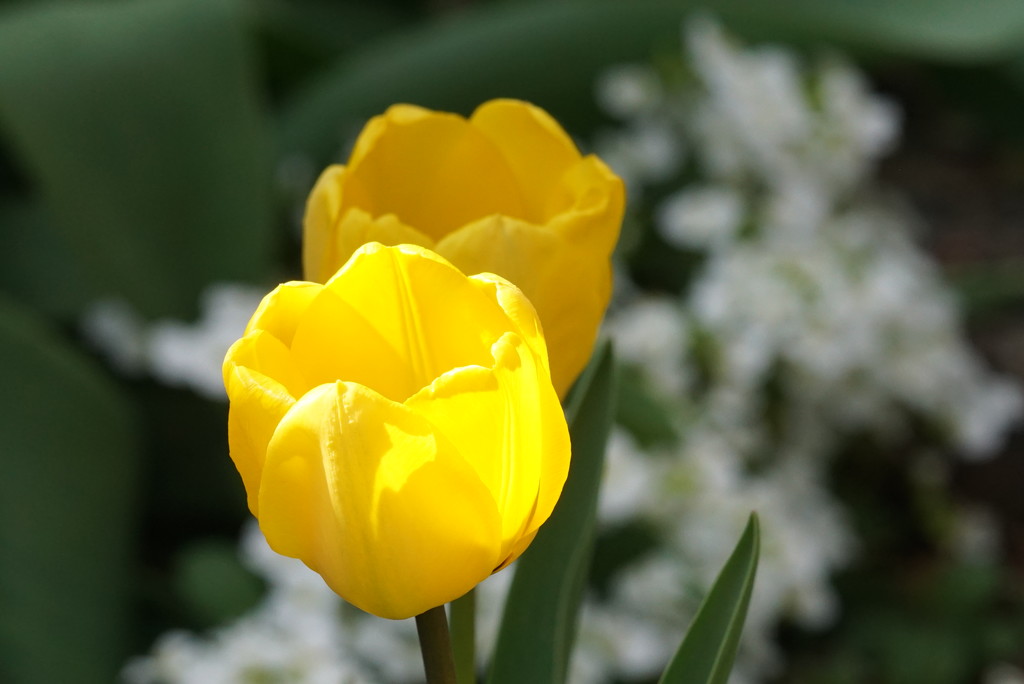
(709, 647)
(140, 124)
(214, 584)
(539, 623)
(298, 38)
(992, 287)
(66, 510)
(507, 50)
(322, 27)
(37, 266)
(645, 416)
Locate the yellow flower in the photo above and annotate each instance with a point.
(396, 428)
(504, 192)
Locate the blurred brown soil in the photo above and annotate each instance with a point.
(967, 185)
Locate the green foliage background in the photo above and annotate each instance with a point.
(149, 148)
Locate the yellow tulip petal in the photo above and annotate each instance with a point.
(264, 353)
(257, 405)
(517, 550)
(380, 126)
(599, 200)
(262, 382)
(358, 228)
(577, 319)
(569, 291)
(334, 227)
(536, 148)
(334, 341)
(434, 317)
(319, 224)
(433, 170)
(508, 424)
(519, 252)
(280, 311)
(367, 494)
(518, 308)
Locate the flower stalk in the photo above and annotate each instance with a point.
(464, 637)
(436, 646)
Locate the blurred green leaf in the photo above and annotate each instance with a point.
(508, 50)
(911, 650)
(940, 30)
(962, 591)
(140, 124)
(646, 418)
(990, 287)
(617, 547)
(193, 484)
(539, 623)
(37, 266)
(326, 27)
(214, 584)
(709, 647)
(66, 510)
(297, 38)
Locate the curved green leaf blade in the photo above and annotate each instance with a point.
(539, 623)
(66, 510)
(213, 583)
(141, 126)
(507, 49)
(709, 647)
(37, 266)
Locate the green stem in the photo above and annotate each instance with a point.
(436, 646)
(464, 637)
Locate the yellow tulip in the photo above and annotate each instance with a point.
(396, 428)
(504, 192)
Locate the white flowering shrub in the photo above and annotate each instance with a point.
(811, 318)
(301, 633)
(174, 352)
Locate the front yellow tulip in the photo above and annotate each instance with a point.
(396, 428)
(504, 192)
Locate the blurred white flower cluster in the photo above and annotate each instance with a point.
(176, 353)
(812, 318)
(301, 633)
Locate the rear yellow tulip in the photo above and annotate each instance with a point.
(396, 428)
(504, 192)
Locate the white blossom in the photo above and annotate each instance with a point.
(177, 353)
(300, 634)
(1003, 673)
(647, 151)
(652, 333)
(627, 482)
(113, 327)
(701, 217)
(629, 90)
